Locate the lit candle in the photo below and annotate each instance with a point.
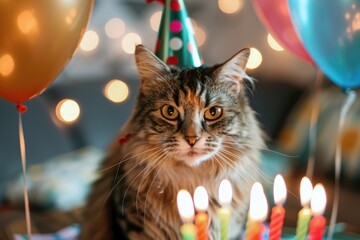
(186, 210)
(278, 212)
(201, 201)
(318, 222)
(257, 213)
(225, 197)
(304, 215)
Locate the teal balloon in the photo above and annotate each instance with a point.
(330, 31)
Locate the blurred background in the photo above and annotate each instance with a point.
(222, 27)
(69, 127)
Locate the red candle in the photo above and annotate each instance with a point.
(317, 226)
(201, 201)
(278, 212)
(318, 203)
(276, 222)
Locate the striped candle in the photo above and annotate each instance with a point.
(304, 215)
(278, 212)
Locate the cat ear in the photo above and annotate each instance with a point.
(150, 67)
(232, 72)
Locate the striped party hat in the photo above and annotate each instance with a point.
(176, 44)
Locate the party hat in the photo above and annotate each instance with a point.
(176, 44)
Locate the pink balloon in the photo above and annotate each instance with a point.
(275, 15)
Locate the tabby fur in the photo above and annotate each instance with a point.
(135, 197)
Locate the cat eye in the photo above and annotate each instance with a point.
(169, 112)
(213, 113)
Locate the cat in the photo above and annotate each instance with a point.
(190, 127)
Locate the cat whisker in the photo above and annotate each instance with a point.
(262, 174)
(261, 148)
(117, 183)
(219, 162)
(212, 165)
(164, 160)
(230, 163)
(124, 159)
(155, 154)
(147, 172)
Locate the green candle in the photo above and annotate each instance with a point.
(303, 223)
(225, 197)
(304, 216)
(224, 219)
(186, 210)
(188, 231)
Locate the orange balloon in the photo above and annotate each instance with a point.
(37, 39)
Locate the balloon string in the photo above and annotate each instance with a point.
(351, 96)
(23, 161)
(313, 124)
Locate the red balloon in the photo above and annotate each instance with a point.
(275, 16)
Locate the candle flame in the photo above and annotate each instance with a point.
(201, 198)
(318, 200)
(306, 190)
(279, 190)
(258, 204)
(185, 206)
(225, 192)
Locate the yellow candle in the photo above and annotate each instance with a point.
(201, 201)
(304, 215)
(225, 197)
(188, 231)
(257, 213)
(186, 210)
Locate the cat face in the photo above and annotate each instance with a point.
(193, 114)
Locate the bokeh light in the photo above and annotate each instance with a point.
(155, 20)
(200, 35)
(6, 65)
(89, 41)
(255, 59)
(115, 28)
(273, 43)
(116, 91)
(67, 111)
(69, 19)
(129, 42)
(27, 22)
(230, 6)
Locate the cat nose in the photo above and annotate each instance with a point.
(192, 140)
